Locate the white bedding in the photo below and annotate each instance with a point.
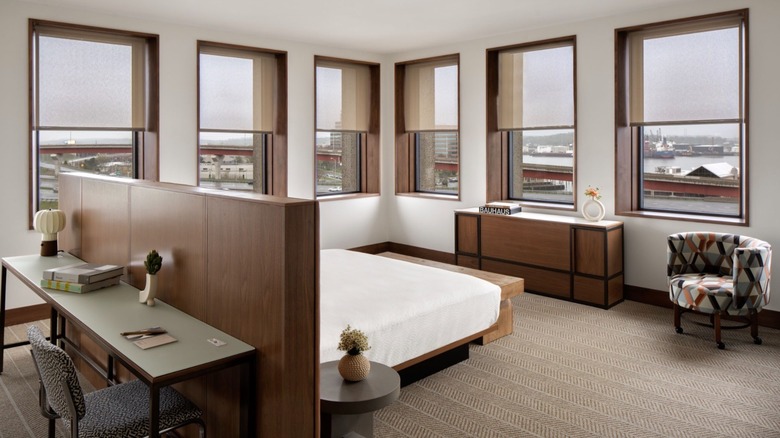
(406, 309)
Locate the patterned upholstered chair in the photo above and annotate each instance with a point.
(718, 274)
(117, 411)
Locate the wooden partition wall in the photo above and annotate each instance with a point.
(244, 263)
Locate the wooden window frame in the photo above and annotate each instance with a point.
(405, 154)
(147, 164)
(497, 143)
(628, 185)
(369, 183)
(275, 154)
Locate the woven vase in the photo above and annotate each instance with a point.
(354, 368)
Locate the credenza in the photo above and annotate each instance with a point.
(559, 256)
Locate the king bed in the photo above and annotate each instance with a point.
(408, 310)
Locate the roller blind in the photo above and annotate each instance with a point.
(236, 89)
(536, 87)
(688, 72)
(89, 79)
(431, 95)
(343, 96)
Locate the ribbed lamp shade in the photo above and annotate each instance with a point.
(49, 223)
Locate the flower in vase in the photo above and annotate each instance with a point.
(353, 341)
(592, 192)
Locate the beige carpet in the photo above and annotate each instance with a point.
(567, 371)
(19, 413)
(576, 371)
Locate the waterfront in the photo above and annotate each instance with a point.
(650, 164)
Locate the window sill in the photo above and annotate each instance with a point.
(345, 196)
(430, 196)
(685, 217)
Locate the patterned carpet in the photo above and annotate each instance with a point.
(576, 371)
(567, 371)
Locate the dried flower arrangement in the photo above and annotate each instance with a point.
(353, 341)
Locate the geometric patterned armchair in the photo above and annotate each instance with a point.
(718, 274)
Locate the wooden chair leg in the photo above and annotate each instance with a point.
(716, 323)
(677, 326)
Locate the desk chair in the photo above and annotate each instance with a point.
(117, 411)
(718, 274)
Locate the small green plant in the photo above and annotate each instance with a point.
(153, 262)
(353, 341)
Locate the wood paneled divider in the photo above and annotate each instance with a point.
(247, 264)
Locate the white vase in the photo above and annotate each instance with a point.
(593, 210)
(150, 290)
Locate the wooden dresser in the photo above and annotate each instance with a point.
(559, 256)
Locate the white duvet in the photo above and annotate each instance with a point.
(406, 309)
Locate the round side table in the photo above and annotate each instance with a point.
(347, 408)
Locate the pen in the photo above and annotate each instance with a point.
(149, 331)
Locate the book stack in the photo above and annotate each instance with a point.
(82, 277)
(505, 208)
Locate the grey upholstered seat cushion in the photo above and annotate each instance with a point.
(123, 410)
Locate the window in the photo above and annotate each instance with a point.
(427, 132)
(346, 144)
(93, 105)
(681, 112)
(531, 123)
(239, 100)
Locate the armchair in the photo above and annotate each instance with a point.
(718, 274)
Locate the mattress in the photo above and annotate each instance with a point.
(405, 309)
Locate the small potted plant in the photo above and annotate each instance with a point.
(354, 366)
(153, 263)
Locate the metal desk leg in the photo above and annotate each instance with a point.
(61, 332)
(53, 326)
(154, 411)
(247, 393)
(2, 318)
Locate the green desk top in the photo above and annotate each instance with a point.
(110, 311)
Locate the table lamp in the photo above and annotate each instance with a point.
(49, 223)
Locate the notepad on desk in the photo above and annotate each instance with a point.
(155, 341)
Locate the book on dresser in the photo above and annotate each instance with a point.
(83, 273)
(505, 208)
(79, 288)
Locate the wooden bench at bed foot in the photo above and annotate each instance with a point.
(510, 287)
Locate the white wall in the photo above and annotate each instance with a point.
(429, 223)
(415, 221)
(344, 223)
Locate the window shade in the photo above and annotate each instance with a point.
(536, 87)
(89, 79)
(689, 72)
(343, 96)
(236, 89)
(431, 95)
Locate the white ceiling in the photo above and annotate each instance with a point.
(379, 26)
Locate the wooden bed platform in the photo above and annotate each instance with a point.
(419, 367)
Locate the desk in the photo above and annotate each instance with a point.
(104, 313)
(348, 407)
